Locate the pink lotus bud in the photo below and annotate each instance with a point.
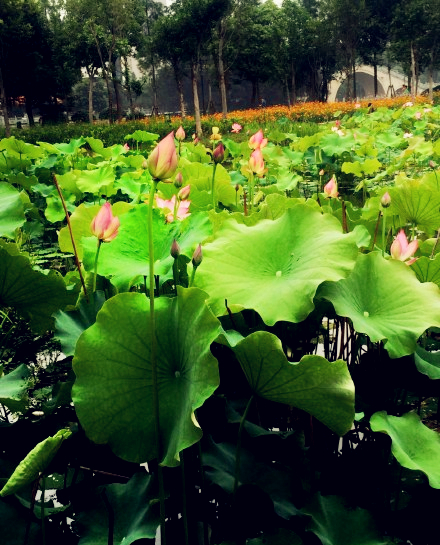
(219, 153)
(104, 225)
(180, 134)
(126, 147)
(331, 188)
(197, 256)
(236, 127)
(432, 164)
(184, 193)
(385, 201)
(402, 250)
(162, 162)
(257, 140)
(175, 249)
(195, 139)
(256, 163)
(215, 134)
(178, 180)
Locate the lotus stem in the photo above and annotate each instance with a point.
(69, 226)
(213, 186)
(153, 355)
(384, 222)
(238, 449)
(95, 269)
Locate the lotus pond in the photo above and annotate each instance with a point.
(227, 341)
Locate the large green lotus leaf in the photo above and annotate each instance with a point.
(113, 394)
(126, 258)
(388, 139)
(275, 267)
(92, 181)
(142, 136)
(427, 270)
(21, 179)
(13, 388)
(417, 205)
(80, 221)
(34, 295)
(333, 144)
(338, 524)
(11, 210)
(427, 363)
(112, 152)
(72, 147)
(200, 176)
(385, 300)
(69, 325)
(135, 509)
(19, 147)
(315, 385)
(414, 445)
(35, 462)
(68, 182)
(55, 210)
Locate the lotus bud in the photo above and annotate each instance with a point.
(331, 188)
(237, 187)
(197, 256)
(178, 180)
(145, 164)
(175, 249)
(322, 172)
(432, 164)
(180, 134)
(385, 201)
(162, 162)
(126, 147)
(184, 193)
(104, 225)
(219, 153)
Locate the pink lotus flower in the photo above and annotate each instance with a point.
(331, 188)
(104, 225)
(357, 105)
(126, 147)
(180, 134)
(256, 163)
(408, 104)
(162, 162)
(236, 127)
(418, 115)
(402, 250)
(408, 135)
(257, 141)
(181, 212)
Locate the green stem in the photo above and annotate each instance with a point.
(43, 493)
(176, 273)
(384, 222)
(435, 245)
(238, 449)
(95, 269)
(193, 274)
(213, 186)
(153, 356)
(251, 192)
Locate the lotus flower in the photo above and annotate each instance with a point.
(105, 225)
(184, 193)
(215, 134)
(236, 127)
(181, 212)
(402, 250)
(256, 163)
(257, 141)
(126, 147)
(331, 188)
(162, 162)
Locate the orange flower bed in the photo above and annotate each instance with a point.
(304, 111)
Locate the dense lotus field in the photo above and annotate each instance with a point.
(231, 340)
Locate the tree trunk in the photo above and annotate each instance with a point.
(413, 71)
(221, 68)
(105, 74)
(375, 76)
(211, 105)
(294, 97)
(29, 111)
(91, 85)
(179, 84)
(4, 105)
(286, 85)
(354, 80)
(194, 78)
(116, 77)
